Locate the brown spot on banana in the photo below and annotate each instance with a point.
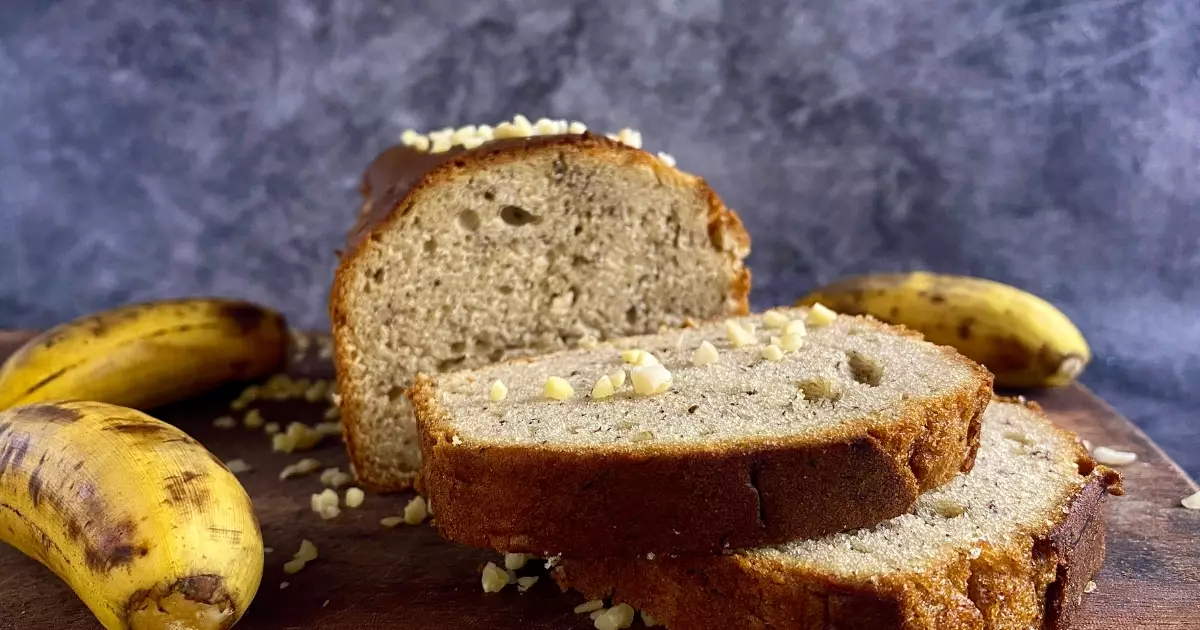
(12, 452)
(113, 547)
(50, 413)
(184, 492)
(964, 329)
(246, 317)
(141, 428)
(35, 482)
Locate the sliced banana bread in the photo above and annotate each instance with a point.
(760, 446)
(1010, 546)
(517, 245)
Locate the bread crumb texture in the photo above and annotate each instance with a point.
(835, 379)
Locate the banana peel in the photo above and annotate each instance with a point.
(148, 528)
(1021, 338)
(146, 355)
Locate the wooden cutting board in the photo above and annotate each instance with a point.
(369, 577)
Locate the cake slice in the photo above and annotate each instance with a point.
(761, 445)
(1010, 546)
(464, 256)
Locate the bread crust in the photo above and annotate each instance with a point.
(1053, 563)
(388, 188)
(663, 498)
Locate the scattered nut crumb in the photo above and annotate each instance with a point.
(587, 343)
(617, 377)
(647, 620)
(775, 320)
(1090, 588)
(650, 379)
(243, 400)
(307, 553)
(630, 356)
(615, 618)
(332, 412)
(303, 467)
(326, 504)
(514, 561)
(268, 550)
(646, 358)
(820, 315)
(641, 436)
(415, 512)
(391, 521)
(271, 428)
(283, 585)
(494, 578)
(667, 158)
(791, 342)
(253, 419)
(589, 606)
(603, 388)
(329, 429)
(772, 353)
(1112, 457)
(355, 497)
(335, 478)
(557, 388)
(1021, 437)
(705, 354)
(238, 466)
(1191, 502)
(225, 422)
(795, 327)
(525, 583)
(738, 335)
(455, 440)
(298, 437)
(499, 391)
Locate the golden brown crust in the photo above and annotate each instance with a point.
(388, 188)
(661, 498)
(1036, 584)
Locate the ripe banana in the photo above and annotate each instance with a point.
(146, 355)
(148, 528)
(1024, 340)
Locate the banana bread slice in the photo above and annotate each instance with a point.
(1009, 546)
(521, 245)
(844, 432)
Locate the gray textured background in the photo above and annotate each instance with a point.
(153, 148)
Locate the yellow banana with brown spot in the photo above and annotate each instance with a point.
(1024, 340)
(148, 528)
(146, 355)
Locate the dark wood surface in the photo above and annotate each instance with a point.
(370, 578)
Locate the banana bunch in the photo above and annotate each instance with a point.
(148, 528)
(146, 355)
(1024, 340)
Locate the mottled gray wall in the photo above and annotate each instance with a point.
(151, 148)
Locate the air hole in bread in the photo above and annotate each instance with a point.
(496, 355)
(458, 347)
(579, 261)
(489, 194)
(430, 246)
(377, 275)
(631, 315)
(505, 289)
(395, 393)
(818, 390)
(446, 365)
(863, 369)
(560, 168)
(469, 220)
(517, 216)
(578, 230)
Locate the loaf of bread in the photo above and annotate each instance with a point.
(466, 256)
(755, 445)
(1010, 546)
